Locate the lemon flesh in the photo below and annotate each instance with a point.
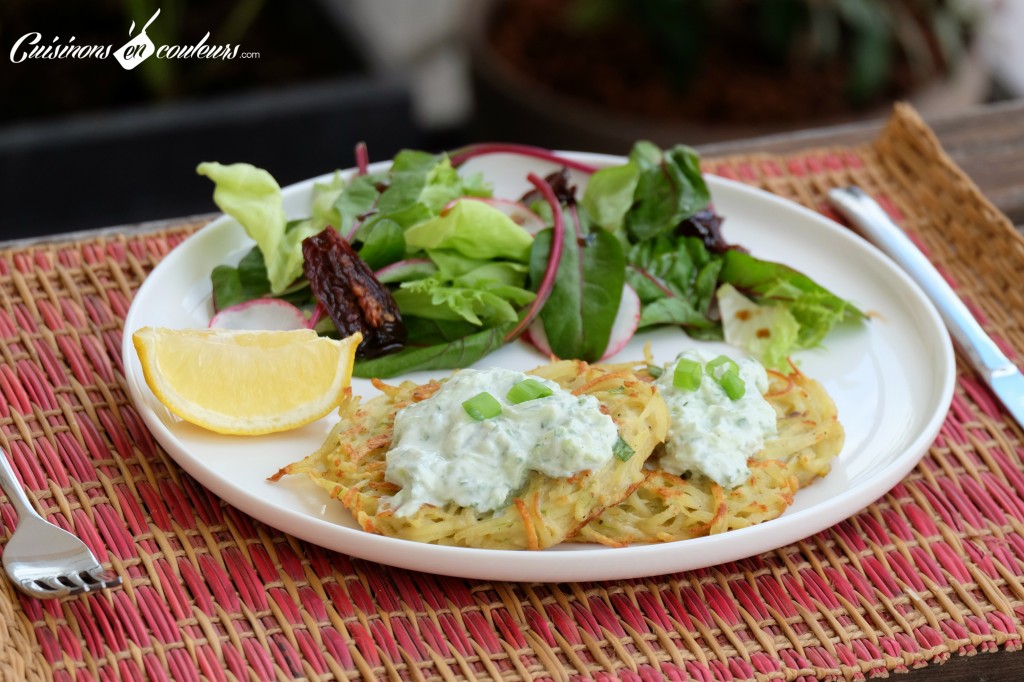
(246, 382)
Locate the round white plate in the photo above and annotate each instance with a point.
(892, 379)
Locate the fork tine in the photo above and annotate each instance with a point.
(48, 587)
(73, 581)
(100, 579)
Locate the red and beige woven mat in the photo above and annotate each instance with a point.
(934, 568)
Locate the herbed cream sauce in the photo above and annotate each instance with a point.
(711, 434)
(440, 454)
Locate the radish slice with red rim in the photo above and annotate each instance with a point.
(627, 320)
(261, 314)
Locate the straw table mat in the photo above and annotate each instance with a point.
(934, 568)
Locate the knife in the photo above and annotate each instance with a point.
(982, 352)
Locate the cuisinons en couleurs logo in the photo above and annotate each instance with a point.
(139, 48)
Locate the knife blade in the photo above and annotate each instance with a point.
(991, 364)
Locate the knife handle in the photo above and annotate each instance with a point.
(876, 225)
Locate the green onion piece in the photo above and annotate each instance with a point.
(732, 384)
(687, 375)
(622, 450)
(718, 362)
(482, 406)
(528, 389)
(655, 371)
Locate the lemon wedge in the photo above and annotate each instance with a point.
(246, 382)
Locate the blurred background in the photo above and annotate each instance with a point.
(85, 143)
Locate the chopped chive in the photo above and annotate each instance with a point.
(622, 450)
(482, 406)
(718, 362)
(528, 389)
(655, 371)
(687, 375)
(732, 384)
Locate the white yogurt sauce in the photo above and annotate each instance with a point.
(711, 434)
(440, 454)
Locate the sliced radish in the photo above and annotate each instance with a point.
(404, 270)
(547, 283)
(538, 338)
(463, 155)
(261, 314)
(627, 319)
(518, 212)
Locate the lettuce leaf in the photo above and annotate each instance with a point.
(324, 212)
(251, 196)
(768, 332)
(486, 303)
(815, 308)
(472, 229)
(670, 188)
(609, 195)
(416, 188)
(676, 280)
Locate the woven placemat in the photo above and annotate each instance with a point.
(931, 569)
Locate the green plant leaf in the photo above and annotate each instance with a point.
(251, 196)
(670, 188)
(472, 229)
(461, 352)
(358, 198)
(814, 307)
(609, 195)
(581, 309)
(675, 278)
(385, 244)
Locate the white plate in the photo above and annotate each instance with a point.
(892, 380)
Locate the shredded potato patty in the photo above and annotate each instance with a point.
(546, 511)
(621, 504)
(666, 508)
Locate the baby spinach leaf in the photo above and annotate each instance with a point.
(248, 281)
(609, 195)
(358, 198)
(675, 279)
(385, 244)
(670, 188)
(426, 332)
(580, 311)
(461, 352)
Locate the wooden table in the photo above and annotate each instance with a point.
(988, 144)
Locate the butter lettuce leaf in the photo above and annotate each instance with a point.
(816, 309)
(472, 229)
(486, 303)
(769, 332)
(251, 196)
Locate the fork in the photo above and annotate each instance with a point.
(43, 560)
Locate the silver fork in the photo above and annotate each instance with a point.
(43, 560)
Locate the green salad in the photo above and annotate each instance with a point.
(441, 273)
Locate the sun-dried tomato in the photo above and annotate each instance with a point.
(351, 295)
